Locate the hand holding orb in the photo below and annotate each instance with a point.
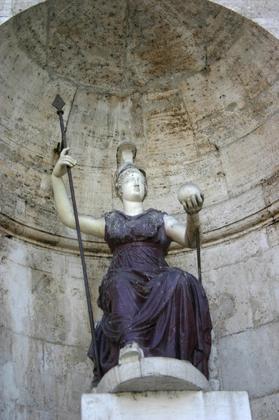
(191, 198)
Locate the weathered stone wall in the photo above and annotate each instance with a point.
(196, 87)
(264, 13)
(44, 332)
(241, 279)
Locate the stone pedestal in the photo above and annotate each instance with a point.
(161, 388)
(166, 405)
(153, 374)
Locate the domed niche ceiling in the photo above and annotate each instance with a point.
(193, 84)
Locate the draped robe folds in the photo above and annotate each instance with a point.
(163, 309)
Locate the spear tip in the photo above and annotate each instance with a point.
(58, 103)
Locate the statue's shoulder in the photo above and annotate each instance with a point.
(161, 214)
(155, 216)
(110, 215)
(155, 211)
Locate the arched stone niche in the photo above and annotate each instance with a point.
(195, 86)
(264, 13)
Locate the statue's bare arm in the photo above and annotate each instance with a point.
(88, 224)
(185, 233)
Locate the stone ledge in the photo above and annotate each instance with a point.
(153, 374)
(183, 405)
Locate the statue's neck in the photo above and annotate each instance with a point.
(132, 208)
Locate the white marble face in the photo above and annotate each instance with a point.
(132, 186)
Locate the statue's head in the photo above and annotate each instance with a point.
(131, 183)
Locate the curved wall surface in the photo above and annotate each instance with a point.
(195, 86)
(264, 13)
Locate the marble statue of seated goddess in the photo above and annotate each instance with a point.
(149, 308)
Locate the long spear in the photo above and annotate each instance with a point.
(198, 243)
(58, 103)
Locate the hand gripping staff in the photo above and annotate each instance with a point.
(58, 103)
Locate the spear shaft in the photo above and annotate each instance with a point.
(198, 244)
(58, 104)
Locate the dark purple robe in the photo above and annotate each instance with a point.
(163, 309)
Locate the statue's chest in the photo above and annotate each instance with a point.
(124, 228)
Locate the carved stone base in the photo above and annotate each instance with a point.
(161, 388)
(166, 405)
(153, 374)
